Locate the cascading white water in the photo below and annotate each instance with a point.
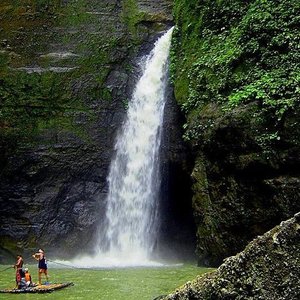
(134, 174)
(131, 215)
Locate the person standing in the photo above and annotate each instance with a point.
(42, 265)
(18, 267)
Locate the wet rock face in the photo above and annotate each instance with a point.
(67, 72)
(268, 268)
(241, 190)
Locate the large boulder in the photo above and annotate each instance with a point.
(268, 268)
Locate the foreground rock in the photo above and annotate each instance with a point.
(268, 268)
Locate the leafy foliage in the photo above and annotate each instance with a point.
(233, 53)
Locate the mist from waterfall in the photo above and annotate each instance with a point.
(128, 235)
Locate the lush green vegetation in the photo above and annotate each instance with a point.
(235, 68)
(232, 53)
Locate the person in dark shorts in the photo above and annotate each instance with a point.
(42, 266)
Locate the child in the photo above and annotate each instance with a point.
(28, 278)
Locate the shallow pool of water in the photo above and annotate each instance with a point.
(107, 284)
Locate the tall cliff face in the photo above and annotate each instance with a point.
(67, 72)
(235, 66)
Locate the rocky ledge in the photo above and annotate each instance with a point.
(268, 268)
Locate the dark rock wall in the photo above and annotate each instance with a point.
(67, 73)
(177, 235)
(234, 67)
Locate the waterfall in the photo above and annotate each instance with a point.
(129, 232)
(132, 202)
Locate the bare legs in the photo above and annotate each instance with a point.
(40, 275)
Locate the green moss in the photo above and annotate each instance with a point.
(131, 15)
(130, 12)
